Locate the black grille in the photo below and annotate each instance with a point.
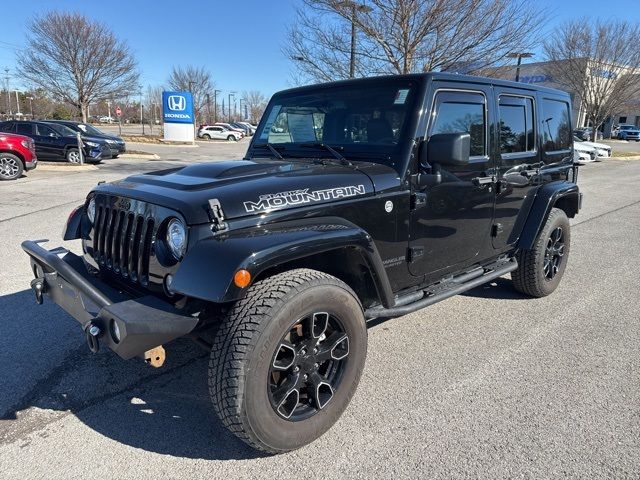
(122, 242)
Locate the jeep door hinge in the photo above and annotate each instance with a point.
(216, 215)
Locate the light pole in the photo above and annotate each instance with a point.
(215, 105)
(355, 8)
(109, 110)
(141, 111)
(31, 106)
(240, 104)
(519, 56)
(18, 113)
(231, 94)
(6, 79)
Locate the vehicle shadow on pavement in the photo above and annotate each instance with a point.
(498, 289)
(46, 364)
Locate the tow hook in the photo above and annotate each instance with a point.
(92, 332)
(37, 285)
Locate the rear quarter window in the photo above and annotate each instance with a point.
(556, 125)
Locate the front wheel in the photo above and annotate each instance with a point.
(10, 166)
(231, 138)
(540, 269)
(287, 359)
(73, 155)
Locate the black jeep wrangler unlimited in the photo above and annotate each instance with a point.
(356, 200)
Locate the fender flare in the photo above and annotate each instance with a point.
(207, 270)
(564, 194)
(73, 227)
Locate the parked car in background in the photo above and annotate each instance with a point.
(602, 149)
(246, 130)
(107, 120)
(17, 154)
(218, 132)
(57, 142)
(251, 127)
(116, 144)
(585, 133)
(582, 152)
(228, 126)
(628, 132)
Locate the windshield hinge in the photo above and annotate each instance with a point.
(216, 215)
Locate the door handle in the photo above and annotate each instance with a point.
(482, 181)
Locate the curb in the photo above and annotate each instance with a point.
(148, 156)
(630, 157)
(56, 167)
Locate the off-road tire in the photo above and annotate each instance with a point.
(529, 278)
(11, 166)
(246, 341)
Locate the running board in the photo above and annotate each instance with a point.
(444, 290)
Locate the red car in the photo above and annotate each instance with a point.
(17, 154)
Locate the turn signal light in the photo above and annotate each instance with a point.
(242, 278)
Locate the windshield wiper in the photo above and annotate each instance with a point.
(273, 149)
(328, 148)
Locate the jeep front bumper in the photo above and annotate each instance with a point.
(127, 325)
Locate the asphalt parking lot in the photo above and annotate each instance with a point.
(488, 384)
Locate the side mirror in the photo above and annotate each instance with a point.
(447, 149)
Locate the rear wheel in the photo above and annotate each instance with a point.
(287, 359)
(540, 269)
(206, 136)
(10, 166)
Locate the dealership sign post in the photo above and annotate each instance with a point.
(178, 116)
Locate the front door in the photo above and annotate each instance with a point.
(451, 221)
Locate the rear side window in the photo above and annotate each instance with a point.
(24, 129)
(556, 125)
(517, 127)
(7, 127)
(462, 112)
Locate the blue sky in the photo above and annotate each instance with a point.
(240, 42)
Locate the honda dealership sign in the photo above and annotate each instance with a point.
(177, 113)
(177, 107)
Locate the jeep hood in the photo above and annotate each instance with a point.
(252, 187)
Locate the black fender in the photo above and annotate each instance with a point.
(564, 195)
(208, 268)
(73, 228)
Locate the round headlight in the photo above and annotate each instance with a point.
(176, 238)
(91, 209)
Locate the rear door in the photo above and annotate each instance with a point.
(518, 160)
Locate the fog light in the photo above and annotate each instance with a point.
(115, 331)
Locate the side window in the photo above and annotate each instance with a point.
(556, 125)
(24, 129)
(45, 131)
(7, 127)
(517, 132)
(462, 112)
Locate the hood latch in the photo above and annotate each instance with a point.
(217, 216)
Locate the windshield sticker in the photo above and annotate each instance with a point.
(273, 114)
(401, 96)
(275, 201)
(301, 127)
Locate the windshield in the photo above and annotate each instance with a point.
(370, 118)
(90, 129)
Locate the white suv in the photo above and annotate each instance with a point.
(216, 132)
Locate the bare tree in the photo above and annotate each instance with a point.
(196, 80)
(407, 36)
(76, 58)
(256, 103)
(599, 62)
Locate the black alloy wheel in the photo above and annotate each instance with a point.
(554, 253)
(307, 366)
